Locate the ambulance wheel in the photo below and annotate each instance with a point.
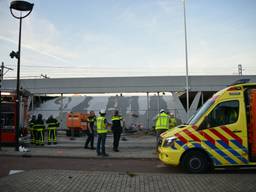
(195, 161)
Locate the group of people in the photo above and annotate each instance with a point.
(37, 129)
(163, 122)
(101, 125)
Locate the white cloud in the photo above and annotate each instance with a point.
(47, 40)
(169, 6)
(142, 39)
(127, 15)
(38, 35)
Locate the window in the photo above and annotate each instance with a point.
(223, 114)
(201, 112)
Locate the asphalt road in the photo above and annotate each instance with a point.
(8, 163)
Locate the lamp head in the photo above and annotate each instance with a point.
(21, 6)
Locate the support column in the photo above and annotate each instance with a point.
(202, 95)
(61, 110)
(147, 110)
(158, 102)
(32, 103)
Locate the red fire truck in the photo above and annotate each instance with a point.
(8, 117)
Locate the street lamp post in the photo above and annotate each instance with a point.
(26, 7)
(186, 55)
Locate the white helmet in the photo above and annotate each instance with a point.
(162, 110)
(102, 111)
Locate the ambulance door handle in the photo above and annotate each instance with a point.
(237, 131)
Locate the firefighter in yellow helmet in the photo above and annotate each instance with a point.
(101, 124)
(162, 123)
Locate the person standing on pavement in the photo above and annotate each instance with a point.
(39, 130)
(53, 124)
(101, 123)
(116, 130)
(90, 131)
(162, 124)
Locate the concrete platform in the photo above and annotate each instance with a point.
(135, 146)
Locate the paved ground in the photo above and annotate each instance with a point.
(8, 163)
(136, 146)
(80, 169)
(62, 180)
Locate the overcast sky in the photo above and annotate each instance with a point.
(85, 38)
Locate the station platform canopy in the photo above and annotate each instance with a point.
(125, 84)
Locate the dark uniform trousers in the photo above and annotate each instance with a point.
(90, 138)
(116, 135)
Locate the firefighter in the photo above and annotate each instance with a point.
(101, 123)
(39, 130)
(116, 129)
(52, 125)
(31, 129)
(90, 131)
(173, 121)
(162, 124)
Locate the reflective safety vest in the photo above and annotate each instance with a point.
(101, 124)
(162, 121)
(116, 121)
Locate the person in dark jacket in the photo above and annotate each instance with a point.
(39, 130)
(52, 125)
(90, 131)
(31, 129)
(116, 129)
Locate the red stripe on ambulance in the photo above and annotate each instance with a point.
(190, 134)
(181, 138)
(219, 135)
(207, 137)
(228, 131)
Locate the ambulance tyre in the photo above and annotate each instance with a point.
(195, 161)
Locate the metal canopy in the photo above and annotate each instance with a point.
(125, 84)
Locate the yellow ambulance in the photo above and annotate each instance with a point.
(222, 133)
